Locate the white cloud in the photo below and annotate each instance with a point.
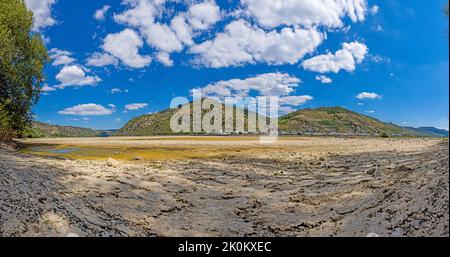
(294, 100)
(100, 13)
(162, 38)
(203, 15)
(118, 90)
(345, 59)
(101, 59)
(86, 110)
(374, 9)
(141, 13)
(182, 30)
(61, 57)
(71, 74)
(118, 120)
(329, 13)
(257, 31)
(242, 44)
(164, 58)
(125, 46)
(47, 88)
(370, 111)
(324, 79)
(75, 75)
(268, 84)
(42, 13)
(366, 95)
(135, 106)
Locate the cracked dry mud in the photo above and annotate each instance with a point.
(391, 187)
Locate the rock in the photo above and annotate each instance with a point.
(372, 235)
(137, 158)
(72, 235)
(112, 163)
(371, 171)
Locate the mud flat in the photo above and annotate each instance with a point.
(223, 186)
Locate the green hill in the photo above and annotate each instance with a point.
(320, 121)
(40, 129)
(326, 121)
(149, 124)
(159, 123)
(337, 120)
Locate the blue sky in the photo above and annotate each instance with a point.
(115, 60)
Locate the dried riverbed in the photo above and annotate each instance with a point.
(226, 187)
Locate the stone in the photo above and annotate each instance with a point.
(112, 163)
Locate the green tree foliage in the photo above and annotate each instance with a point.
(22, 59)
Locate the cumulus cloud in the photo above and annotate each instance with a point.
(366, 95)
(47, 88)
(42, 13)
(242, 43)
(71, 74)
(203, 15)
(101, 59)
(141, 15)
(294, 100)
(344, 59)
(135, 106)
(182, 29)
(161, 37)
(74, 75)
(164, 58)
(281, 85)
(306, 13)
(87, 110)
(61, 57)
(100, 13)
(125, 46)
(257, 31)
(268, 84)
(168, 38)
(324, 79)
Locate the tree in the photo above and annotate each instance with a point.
(22, 59)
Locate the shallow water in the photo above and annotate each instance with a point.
(54, 150)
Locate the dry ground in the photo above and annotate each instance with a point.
(185, 186)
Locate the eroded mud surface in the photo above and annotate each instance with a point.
(390, 191)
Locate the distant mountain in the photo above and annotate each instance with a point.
(337, 121)
(429, 131)
(40, 129)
